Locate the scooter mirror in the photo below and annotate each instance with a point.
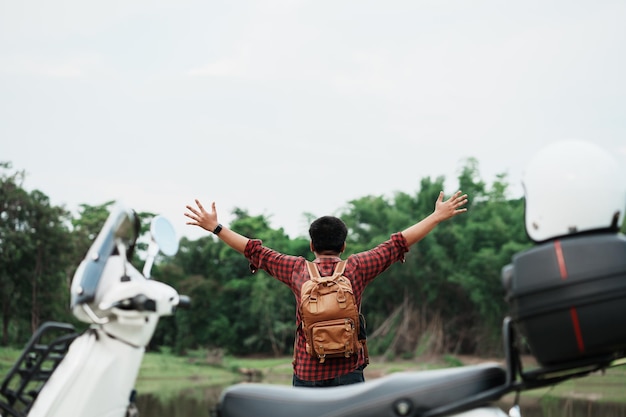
(164, 235)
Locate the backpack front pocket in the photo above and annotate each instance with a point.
(332, 338)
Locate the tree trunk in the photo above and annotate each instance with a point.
(35, 308)
(5, 324)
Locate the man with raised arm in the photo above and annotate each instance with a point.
(328, 241)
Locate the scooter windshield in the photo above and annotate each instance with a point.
(117, 236)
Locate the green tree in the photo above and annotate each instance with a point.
(230, 308)
(14, 246)
(35, 244)
(491, 234)
(52, 256)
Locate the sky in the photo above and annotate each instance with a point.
(287, 107)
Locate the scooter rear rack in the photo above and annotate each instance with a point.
(41, 355)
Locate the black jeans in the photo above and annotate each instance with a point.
(353, 377)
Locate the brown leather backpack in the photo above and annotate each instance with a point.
(330, 316)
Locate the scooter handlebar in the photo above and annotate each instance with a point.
(184, 301)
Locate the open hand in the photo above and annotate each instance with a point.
(452, 206)
(200, 217)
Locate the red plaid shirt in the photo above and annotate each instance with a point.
(361, 269)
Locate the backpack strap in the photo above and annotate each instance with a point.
(313, 271)
(339, 268)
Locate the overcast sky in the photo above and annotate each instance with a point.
(287, 107)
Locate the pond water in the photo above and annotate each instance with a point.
(189, 403)
(199, 403)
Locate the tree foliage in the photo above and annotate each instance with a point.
(35, 245)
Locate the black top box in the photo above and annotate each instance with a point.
(567, 297)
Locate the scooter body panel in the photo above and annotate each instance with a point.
(95, 379)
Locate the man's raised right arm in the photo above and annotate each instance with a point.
(444, 210)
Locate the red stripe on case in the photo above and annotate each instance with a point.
(577, 331)
(560, 259)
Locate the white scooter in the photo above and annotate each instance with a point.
(61, 373)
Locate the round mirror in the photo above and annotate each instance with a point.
(164, 235)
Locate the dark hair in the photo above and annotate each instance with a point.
(328, 234)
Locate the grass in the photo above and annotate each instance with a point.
(8, 357)
(166, 374)
(607, 386)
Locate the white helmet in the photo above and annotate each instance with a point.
(572, 187)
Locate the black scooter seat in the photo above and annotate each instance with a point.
(418, 391)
